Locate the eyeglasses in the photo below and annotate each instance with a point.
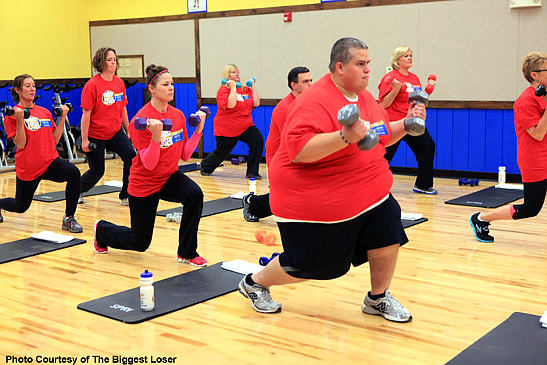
(539, 70)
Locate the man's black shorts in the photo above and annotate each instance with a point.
(326, 250)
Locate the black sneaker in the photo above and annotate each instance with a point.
(257, 176)
(249, 217)
(1, 218)
(480, 228)
(205, 173)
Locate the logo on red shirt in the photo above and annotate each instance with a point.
(33, 123)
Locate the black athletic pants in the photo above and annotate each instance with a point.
(251, 137)
(122, 146)
(534, 197)
(179, 189)
(59, 171)
(424, 148)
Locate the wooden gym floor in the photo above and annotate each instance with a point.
(456, 288)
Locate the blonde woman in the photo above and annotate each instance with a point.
(393, 97)
(233, 123)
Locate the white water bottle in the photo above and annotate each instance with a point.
(501, 175)
(147, 291)
(252, 185)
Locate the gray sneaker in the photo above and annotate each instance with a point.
(387, 307)
(81, 199)
(70, 224)
(261, 299)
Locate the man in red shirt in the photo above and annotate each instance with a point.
(299, 79)
(331, 200)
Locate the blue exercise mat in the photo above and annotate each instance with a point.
(170, 294)
(27, 247)
(519, 340)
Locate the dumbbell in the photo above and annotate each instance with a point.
(429, 88)
(263, 260)
(540, 90)
(92, 146)
(349, 114)
(471, 182)
(194, 119)
(223, 82)
(8, 110)
(238, 160)
(142, 124)
(57, 111)
(415, 126)
(249, 82)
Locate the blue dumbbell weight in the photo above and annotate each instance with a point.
(249, 82)
(263, 260)
(223, 82)
(142, 124)
(194, 119)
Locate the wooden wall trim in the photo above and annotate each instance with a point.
(435, 104)
(261, 11)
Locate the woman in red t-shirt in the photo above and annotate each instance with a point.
(530, 127)
(36, 138)
(103, 104)
(393, 96)
(233, 122)
(155, 175)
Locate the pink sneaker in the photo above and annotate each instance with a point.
(197, 261)
(96, 246)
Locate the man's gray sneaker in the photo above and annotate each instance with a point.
(387, 307)
(260, 297)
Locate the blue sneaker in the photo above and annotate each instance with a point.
(428, 191)
(480, 228)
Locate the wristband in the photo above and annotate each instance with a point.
(343, 138)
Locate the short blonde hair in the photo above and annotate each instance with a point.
(227, 69)
(532, 62)
(398, 53)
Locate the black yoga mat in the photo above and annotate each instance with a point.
(491, 197)
(409, 223)
(519, 339)
(189, 167)
(209, 208)
(170, 294)
(60, 195)
(20, 249)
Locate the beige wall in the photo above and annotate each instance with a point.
(170, 44)
(475, 47)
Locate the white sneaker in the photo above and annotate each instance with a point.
(387, 307)
(124, 202)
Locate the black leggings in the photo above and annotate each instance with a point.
(59, 170)
(260, 205)
(179, 189)
(251, 137)
(534, 196)
(122, 146)
(424, 149)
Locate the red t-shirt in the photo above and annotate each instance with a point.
(143, 182)
(341, 185)
(106, 100)
(279, 116)
(40, 149)
(399, 108)
(232, 122)
(531, 153)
